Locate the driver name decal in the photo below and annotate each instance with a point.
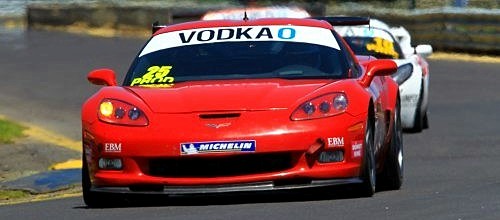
(157, 75)
(382, 46)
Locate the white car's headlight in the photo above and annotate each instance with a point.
(404, 72)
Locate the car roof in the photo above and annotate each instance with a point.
(237, 23)
(257, 12)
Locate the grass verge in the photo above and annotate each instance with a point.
(6, 195)
(10, 131)
(10, 197)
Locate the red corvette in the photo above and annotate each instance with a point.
(250, 105)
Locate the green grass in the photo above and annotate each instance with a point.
(10, 131)
(13, 194)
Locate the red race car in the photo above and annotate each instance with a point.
(247, 105)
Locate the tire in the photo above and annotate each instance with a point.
(368, 175)
(426, 121)
(391, 177)
(91, 199)
(419, 122)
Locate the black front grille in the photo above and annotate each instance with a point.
(234, 165)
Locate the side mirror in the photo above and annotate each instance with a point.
(106, 77)
(377, 68)
(423, 50)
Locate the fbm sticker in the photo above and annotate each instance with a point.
(112, 147)
(218, 146)
(336, 142)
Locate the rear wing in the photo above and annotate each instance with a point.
(333, 20)
(157, 26)
(344, 20)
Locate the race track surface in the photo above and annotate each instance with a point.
(452, 169)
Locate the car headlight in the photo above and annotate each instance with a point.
(119, 112)
(404, 72)
(320, 107)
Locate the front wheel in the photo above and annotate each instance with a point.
(93, 199)
(426, 121)
(368, 175)
(419, 122)
(391, 177)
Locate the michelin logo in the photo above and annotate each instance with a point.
(218, 146)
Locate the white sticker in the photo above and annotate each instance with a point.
(218, 147)
(357, 147)
(113, 147)
(301, 34)
(336, 142)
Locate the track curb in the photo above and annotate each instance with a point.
(59, 176)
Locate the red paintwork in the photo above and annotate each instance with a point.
(265, 107)
(425, 66)
(381, 67)
(233, 23)
(105, 77)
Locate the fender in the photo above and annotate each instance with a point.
(393, 92)
(393, 95)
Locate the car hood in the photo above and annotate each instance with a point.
(233, 95)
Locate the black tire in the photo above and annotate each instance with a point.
(426, 120)
(418, 122)
(368, 175)
(391, 177)
(91, 199)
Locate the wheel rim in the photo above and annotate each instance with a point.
(400, 159)
(370, 158)
(399, 136)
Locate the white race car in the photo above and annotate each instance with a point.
(412, 76)
(256, 12)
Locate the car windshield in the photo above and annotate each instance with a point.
(371, 41)
(374, 46)
(223, 60)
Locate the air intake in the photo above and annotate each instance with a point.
(224, 115)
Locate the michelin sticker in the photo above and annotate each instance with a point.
(217, 147)
(302, 34)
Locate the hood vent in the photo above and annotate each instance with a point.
(224, 115)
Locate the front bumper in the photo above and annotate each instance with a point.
(285, 153)
(229, 188)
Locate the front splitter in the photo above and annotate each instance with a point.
(228, 188)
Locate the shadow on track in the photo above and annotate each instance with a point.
(284, 196)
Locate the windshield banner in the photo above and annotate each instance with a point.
(302, 34)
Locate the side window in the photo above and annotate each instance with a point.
(355, 69)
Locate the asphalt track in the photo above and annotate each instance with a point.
(452, 169)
